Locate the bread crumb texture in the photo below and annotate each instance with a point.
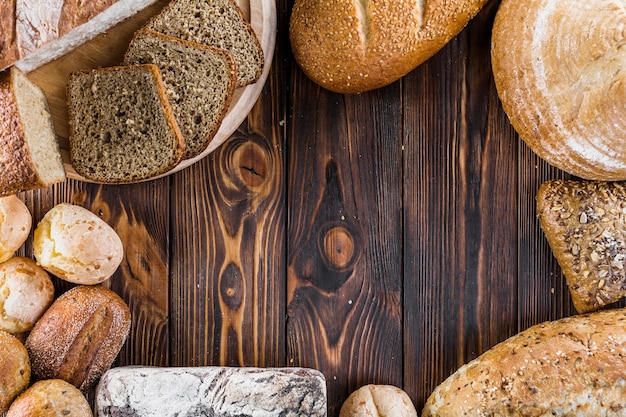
(575, 366)
(559, 72)
(74, 244)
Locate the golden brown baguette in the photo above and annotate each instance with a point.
(585, 226)
(570, 367)
(351, 46)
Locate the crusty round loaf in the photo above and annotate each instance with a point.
(14, 369)
(351, 46)
(378, 401)
(79, 336)
(26, 291)
(15, 224)
(50, 398)
(570, 367)
(74, 244)
(559, 71)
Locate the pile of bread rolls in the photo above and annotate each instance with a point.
(53, 351)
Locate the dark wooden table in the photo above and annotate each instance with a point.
(387, 237)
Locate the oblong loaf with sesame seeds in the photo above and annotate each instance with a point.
(568, 367)
(352, 46)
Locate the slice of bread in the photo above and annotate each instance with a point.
(218, 23)
(199, 81)
(29, 151)
(122, 128)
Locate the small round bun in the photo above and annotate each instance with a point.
(76, 245)
(378, 401)
(15, 224)
(14, 369)
(559, 71)
(50, 398)
(26, 291)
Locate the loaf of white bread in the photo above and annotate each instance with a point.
(570, 367)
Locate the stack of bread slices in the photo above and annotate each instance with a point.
(166, 100)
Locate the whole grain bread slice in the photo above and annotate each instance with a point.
(199, 81)
(122, 128)
(218, 23)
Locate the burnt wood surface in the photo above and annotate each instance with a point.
(386, 237)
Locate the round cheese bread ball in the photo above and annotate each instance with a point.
(26, 291)
(76, 245)
(378, 401)
(50, 398)
(15, 225)
(14, 369)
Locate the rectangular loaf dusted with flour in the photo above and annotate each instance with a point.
(35, 32)
(211, 391)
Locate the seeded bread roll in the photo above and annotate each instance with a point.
(122, 128)
(575, 366)
(218, 23)
(199, 81)
(15, 224)
(77, 246)
(584, 224)
(79, 336)
(352, 46)
(378, 401)
(560, 74)
(29, 156)
(50, 398)
(26, 291)
(14, 369)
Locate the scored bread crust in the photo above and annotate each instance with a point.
(561, 78)
(584, 224)
(352, 46)
(568, 367)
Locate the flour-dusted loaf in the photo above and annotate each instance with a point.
(122, 128)
(35, 32)
(218, 23)
(585, 225)
(199, 81)
(352, 46)
(560, 73)
(574, 366)
(211, 391)
(29, 152)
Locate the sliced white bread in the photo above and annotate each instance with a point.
(122, 128)
(199, 81)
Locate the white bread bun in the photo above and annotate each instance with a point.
(50, 398)
(378, 401)
(15, 224)
(26, 291)
(352, 46)
(560, 72)
(74, 244)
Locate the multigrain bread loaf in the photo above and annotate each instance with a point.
(79, 336)
(575, 366)
(35, 32)
(218, 23)
(122, 128)
(559, 72)
(77, 246)
(584, 223)
(352, 46)
(29, 152)
(15, 369)
(15, 224)
(199, 81)
(50, 398)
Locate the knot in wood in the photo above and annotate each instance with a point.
(252, 165)
(232, 287)
(338, 246)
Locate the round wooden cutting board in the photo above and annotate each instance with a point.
(108, 49)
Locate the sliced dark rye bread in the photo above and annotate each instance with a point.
(218, 23)
(122, 128)
(199, 81)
